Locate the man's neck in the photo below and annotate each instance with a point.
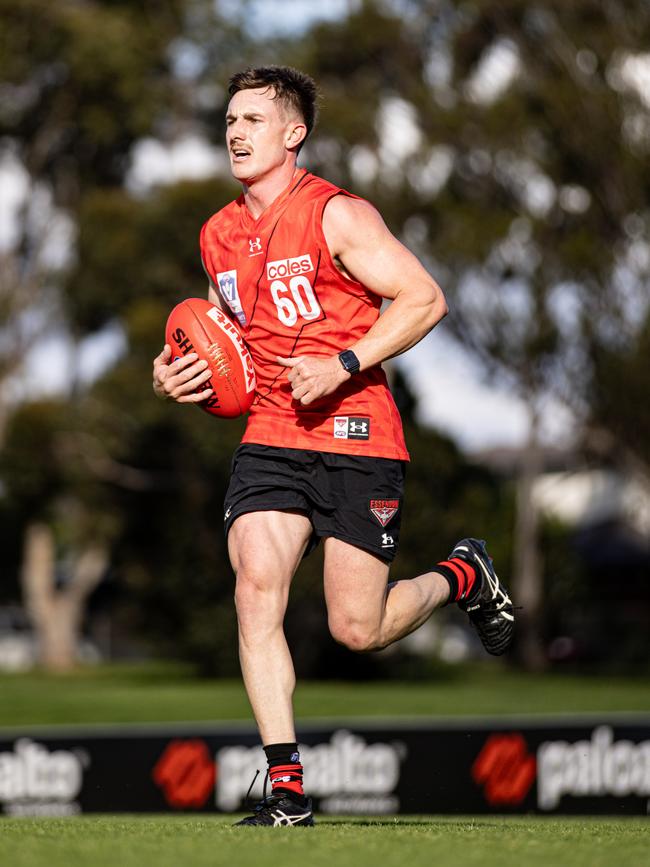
(263, 192)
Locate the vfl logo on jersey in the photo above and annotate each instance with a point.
(384, 511)
(288, 267)
(254, 247)
(227, 281)
(351, 428)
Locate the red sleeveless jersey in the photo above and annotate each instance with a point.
(277, 277)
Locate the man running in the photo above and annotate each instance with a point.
(303, 267)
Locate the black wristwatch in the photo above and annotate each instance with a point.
(350, 362)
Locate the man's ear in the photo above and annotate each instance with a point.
(296, 135)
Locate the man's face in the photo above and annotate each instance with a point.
(259, 133)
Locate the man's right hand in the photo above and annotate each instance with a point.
(181, 379)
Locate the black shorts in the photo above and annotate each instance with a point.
(353, 498)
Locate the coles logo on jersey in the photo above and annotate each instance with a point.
(384, 510)
(227, 281)
(288, 267)
(351, 428)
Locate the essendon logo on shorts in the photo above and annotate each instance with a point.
(288, 267)
(384, 510)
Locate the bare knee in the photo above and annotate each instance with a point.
(259, 602)
(250, 590)
(356, 636)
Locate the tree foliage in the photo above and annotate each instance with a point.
(81, 83)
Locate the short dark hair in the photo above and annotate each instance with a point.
(295, 89)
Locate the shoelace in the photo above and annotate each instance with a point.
(256, 808)
(498, 592)
(248, 804)
(494, 605)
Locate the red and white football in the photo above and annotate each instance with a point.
(196, 325)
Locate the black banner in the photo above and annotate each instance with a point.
(561, 766)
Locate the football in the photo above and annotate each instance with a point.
(196, 325)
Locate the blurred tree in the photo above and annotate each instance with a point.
(64, 552)
(80, 84)
(548, 166)
(506, 143)
(620, 414)
(511, 153)
(140, 252)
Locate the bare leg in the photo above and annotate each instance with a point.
(367, 613)
(265, 549)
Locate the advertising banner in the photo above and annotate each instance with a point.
(557, 766)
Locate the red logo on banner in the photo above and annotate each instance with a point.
(186, 773)
(505, 769)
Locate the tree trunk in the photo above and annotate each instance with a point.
(57, 614)
(527, 556)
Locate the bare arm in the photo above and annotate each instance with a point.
(359, 239)
(361, 244)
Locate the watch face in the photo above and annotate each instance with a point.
(349, 361)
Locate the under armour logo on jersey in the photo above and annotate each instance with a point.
(387, 541)
(254, 246)
(351, 428)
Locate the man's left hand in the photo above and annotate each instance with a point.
(312, 378)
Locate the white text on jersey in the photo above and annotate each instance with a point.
(288, 267)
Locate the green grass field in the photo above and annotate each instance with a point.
(167, 693)
(417, 842)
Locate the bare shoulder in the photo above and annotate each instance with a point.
(346, 211)
(346, 220)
